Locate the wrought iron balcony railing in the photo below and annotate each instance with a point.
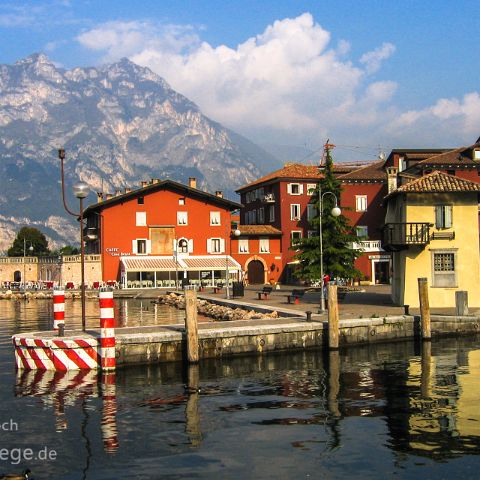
(400, 236)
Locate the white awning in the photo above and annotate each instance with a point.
(188, 263)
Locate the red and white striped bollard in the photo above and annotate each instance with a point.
(107, 331)
(58, 308)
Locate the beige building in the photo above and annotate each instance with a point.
(431, 228)
(59, 270)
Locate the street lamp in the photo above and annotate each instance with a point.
(335, 213)
(30, 249)
(81, 191)
(236, 233)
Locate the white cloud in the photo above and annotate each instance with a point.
(287, 83)
(373, 60)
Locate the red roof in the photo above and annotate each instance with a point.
(373, 171)
(259, 230)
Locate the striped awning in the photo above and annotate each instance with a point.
(188, 263)
(210, 263)
(149, 264)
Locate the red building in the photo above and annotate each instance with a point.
(161, 233)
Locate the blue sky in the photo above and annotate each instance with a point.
(362, 73)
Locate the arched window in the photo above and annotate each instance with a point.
(182, 246)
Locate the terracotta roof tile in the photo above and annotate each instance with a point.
(458, 156)
(438, 182)
(373, 171)
(259, 230)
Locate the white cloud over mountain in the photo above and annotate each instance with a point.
(287, 83)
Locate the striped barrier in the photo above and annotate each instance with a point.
(58, 308)
(109, 412)
(107, 331)
(55, 354)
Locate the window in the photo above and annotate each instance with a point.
(141, 219)
(295, 237)
(444, 274)
(140, 200)
(311, 188)
(261, 216)
(264, 246)
(361, 203)
(215, 245)
(181, 201)
(141, 246)
(182, 218)
(402, 164)
(443, 216)
(294, 188)
(295, 211)
(271, 212)
(311, 211)
(243, 245)
(312, 233)
(362, 232)
(214, 218)
(182, 246)
(476, 154)
(254, 217)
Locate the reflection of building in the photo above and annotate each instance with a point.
(431, 228)
(163, 231)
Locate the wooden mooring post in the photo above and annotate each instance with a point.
(191, 325)
(333, 322)
(461, 303)
(424, 309)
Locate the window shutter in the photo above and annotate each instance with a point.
(134, 247)
(300, 189)
(209, 245)
(438, 216)
(149, 247)
(448, 216)
(190, 246)
(222, 245)
(289, 188)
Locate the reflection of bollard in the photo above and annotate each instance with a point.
(58, 309)
(407, 309)
(107, 331)
(309, 316)
(61, 330)
(109, 412)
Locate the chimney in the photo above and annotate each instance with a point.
(155, 180)
(144, 183)
(219, 194)
(392, 178)
(192, 182)
(99, 197)
(108, 196)
(128, 189)
(118, 192)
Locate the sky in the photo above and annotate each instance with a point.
(367, 75)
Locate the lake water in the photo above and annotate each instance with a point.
(401, 411)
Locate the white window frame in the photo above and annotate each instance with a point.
(442, 277)
(271, 213)
(295, 212)
(141, 219)
(181, 201)
(292, 236)
(216, 245)
(214, 218)
(361, 203)
(443, 216)
(243, 246)
(136, 243)
(184, 248)
(182, 218)
(264, 245)
(294, 186)
(311, 187)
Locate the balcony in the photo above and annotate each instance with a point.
(400, 236)
(269, 198)
(368, 246)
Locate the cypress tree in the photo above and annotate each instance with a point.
(337, 235)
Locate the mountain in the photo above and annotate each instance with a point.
(119, 124)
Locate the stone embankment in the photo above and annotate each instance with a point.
(41, 295)
(218, 312)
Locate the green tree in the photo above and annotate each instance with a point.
(337, 235)
(29, 237)
(65, 250)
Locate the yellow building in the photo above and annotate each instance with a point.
(431, 228)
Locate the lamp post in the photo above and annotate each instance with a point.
(335, 213)
(30, 249)
(228, 236)
(81, 191)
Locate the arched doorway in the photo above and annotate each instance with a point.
(17, 276)
(256, 272)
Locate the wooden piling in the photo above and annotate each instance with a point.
(334, 382)
(192, 414)
(424, 309)
(191, 325)
(333, 321)
(426, 372)
(461, 303)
